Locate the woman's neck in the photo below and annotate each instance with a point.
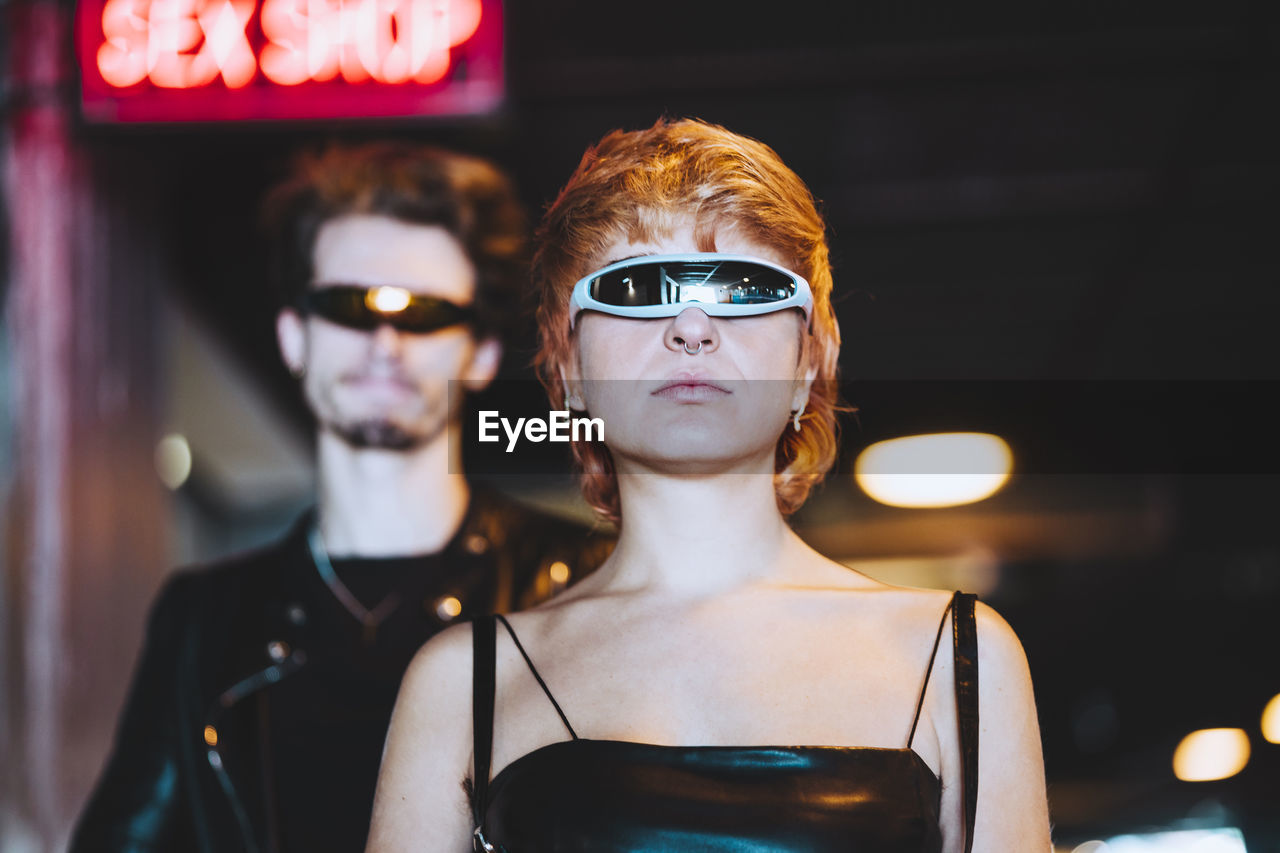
(699, 536)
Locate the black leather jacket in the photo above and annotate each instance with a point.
(186, 771)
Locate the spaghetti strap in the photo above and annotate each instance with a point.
(966, 665)
(534, 670)
(483, 648)
(965, 631)
(928, 670)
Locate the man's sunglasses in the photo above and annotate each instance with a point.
(665, 285)
(367, 308)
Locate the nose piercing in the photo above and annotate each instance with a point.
(693, 351)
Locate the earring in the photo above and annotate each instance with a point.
(795, 418)
(297, 371)
(573, 400)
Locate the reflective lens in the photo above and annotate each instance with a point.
(664, 285)
(366, 308)
(692, 281)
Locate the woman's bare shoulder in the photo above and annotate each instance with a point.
(1001, 659)
(1013, 811)
(420, 800)
(1002, 663)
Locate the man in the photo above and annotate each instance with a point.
(261, 701)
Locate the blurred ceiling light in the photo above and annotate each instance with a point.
(934, 470)
(448, 607)
(559, 572)
(173, 460)
(1210, 754)
(388, 300)
(1271, 720)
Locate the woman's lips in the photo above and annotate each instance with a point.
(690, 390)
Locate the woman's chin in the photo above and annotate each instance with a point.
(694, 456)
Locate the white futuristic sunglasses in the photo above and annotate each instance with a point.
(664, 285)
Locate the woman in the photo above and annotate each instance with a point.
(686, 302)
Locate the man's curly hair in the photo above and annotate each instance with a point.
(467, 196)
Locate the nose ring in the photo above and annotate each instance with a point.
(693, 351)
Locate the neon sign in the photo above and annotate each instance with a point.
(167, 60)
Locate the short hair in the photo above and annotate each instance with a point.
(467, 196)
(640, 185)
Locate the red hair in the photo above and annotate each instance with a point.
(641, 185)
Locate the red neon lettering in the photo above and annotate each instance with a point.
(226, 47)
(452, 23)
(464, 20)
(428, 51)
(390, 41)
(182, 44)
(122, 56)
(173, 32)
(300, 39)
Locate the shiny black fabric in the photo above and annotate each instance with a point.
(225, 645)
(614, 796)
(610, 796)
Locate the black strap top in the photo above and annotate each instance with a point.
(610, 796)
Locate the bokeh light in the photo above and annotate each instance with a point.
(934, 470)
(1271, 720)
(173, 460)
(1210, 754)
(559, 572)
